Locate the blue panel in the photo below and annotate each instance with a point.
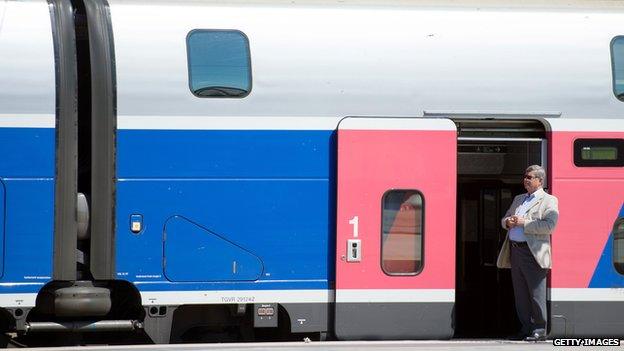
(224, 154)
(29, 229)
(605, 275)
(270, 192)
(194, 253)
(286, 223)
(2, 214)
(27, 152)
(27, 190)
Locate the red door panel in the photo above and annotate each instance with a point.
(397, 185)
(586, 289)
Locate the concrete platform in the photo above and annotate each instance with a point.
(455, 345)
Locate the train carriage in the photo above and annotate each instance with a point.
(254, 170)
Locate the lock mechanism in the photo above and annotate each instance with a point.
(354, 250)
(136, 223)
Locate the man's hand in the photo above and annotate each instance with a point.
(518, 220)
(510, 223)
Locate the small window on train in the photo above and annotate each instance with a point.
(219, 63)
(402, 232)
(618, 245)
(599, 152)
(617, 62)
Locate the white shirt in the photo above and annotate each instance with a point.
(517, 233)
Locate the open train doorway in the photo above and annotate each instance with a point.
(492, 158)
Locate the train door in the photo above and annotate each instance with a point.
(587, 288)
(491, 160)
(395, 249)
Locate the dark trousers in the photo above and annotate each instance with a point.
(529, 284)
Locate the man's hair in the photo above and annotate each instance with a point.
(539, 172)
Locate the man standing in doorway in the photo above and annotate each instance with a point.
(530, 221)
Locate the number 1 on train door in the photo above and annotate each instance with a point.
(355, 221)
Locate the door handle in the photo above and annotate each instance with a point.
(354, 250)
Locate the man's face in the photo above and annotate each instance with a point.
(531, 182)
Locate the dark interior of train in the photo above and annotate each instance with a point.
(491, 163)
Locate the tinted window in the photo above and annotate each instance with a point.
(617, 57)
(402, 232)
(599, 152)
(219, 63)
(618, 245)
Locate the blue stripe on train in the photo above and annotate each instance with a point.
(264, 194)
(236, 154)
(605, 275)
(27, 152)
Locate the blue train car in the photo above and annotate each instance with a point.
(179, 171)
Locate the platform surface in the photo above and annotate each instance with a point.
(454, 345)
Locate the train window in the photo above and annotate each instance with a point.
(617, 62)
(599, 152)
(402, 232)
(219, 63)
(618, 245)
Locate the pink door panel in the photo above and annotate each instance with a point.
(396, 176)
(583, 278)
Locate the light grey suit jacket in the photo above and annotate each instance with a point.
(541, 219)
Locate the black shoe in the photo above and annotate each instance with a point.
(538, 335)
(518, 336)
